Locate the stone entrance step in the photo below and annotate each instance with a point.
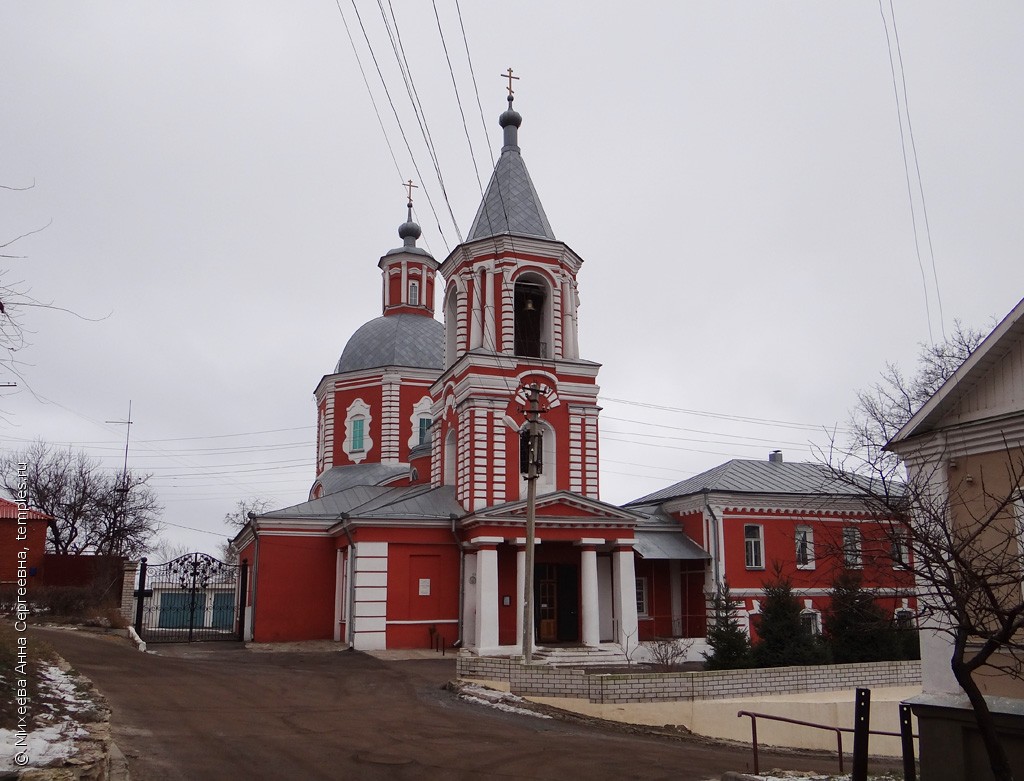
(607, 655)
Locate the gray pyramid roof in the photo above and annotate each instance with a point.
(395, 340)
(762, 477)
(510, 204)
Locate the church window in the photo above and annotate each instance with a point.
(357, 442)
(414, 293)
(810, 622)
(804, 547)
(420, 421)
(530, 306)
(449, 458)
(641, 597)
(851, 548)
(753, 539)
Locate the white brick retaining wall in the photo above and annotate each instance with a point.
(543, 681)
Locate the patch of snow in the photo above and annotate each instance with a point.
(53, 730)
(42, 745)
(503, 701)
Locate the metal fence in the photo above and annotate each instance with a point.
(194, 597)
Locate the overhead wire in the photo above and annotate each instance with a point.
(917, 170)
(906, 173)
(401, 129)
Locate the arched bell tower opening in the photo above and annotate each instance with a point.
(531, 321)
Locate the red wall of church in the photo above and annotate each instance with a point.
(294, 589)
(408, 564)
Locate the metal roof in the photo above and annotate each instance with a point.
(339, 478)
(395, 340)
(762, 477)
(413, 502)
(667, 545)
(510, 204)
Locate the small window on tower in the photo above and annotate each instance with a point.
(357, 434)
(414, 293)
(424, 430)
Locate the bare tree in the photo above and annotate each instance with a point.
(93, 510)
(254, 505)
(960, 536)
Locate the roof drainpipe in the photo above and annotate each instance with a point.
(350, 597)
(716, 571)
(462, 576)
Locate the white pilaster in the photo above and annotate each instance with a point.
(369, 614)
(624, 594)
(487, 594)
(488, 313)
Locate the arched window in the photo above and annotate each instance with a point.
(449, 458)
(414, 293)
(531, 317)
(546, 480)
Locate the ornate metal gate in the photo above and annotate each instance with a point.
(194, 597)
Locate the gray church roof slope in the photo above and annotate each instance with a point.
(395, 340)
(762, 477)
(412, 502)
(338, 478)
(510, 204)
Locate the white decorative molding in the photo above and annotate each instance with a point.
(421, 409)
(357, 410)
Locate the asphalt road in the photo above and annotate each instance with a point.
(218, 711)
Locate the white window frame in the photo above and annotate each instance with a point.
(808, 543)
(813, 617)
(643, 604)
(757, 550)
(414, 293)
(358, 410)
(853, 549)
(420, 410)
(900, 552)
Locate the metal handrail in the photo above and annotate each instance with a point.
(838, 730)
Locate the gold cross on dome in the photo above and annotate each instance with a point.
(409, 186)
(510, 78)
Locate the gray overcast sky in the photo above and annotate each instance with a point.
(220, 191)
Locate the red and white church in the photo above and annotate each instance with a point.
(414, 528)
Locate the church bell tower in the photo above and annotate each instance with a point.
(510, 313)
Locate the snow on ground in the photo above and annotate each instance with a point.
(54, 726)
(510, 703)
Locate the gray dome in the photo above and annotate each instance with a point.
(395, 340)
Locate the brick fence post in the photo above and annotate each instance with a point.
(128, 591)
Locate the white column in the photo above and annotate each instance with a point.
(588, 598)
(475, 314)
(489, 313)
(675, 580)
(624, 594)
(487, 593)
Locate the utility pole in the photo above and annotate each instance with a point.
(533, 467)
(117, 542)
